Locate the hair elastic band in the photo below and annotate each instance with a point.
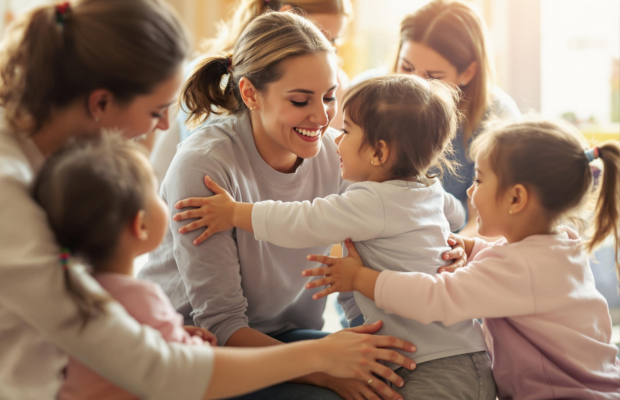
(226, 64)
(62, 13)
(592, 154)
(65, 254)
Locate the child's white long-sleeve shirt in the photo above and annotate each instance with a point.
(546, 325)
(398, 226)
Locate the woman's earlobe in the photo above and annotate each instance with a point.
(97, 103)
(469, 74)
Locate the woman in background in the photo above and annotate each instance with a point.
(446, 40)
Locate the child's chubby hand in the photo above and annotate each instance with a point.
(339, 273)
(202, 333)
(213, 212)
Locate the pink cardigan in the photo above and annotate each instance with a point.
(547, 327)
(148, 304)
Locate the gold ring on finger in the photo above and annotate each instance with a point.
(370, 381)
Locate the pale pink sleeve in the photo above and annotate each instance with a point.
(149, 305)
(493, 286)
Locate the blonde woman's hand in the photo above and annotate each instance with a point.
(215, 212)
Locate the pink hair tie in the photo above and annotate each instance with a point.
(62, 13)
(65, 255)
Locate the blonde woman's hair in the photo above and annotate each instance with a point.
(246, 10)
(548, 158)
(266, 42)
(456, 32)
(417, 119)
(125, 46)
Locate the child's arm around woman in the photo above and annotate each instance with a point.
(357, 214)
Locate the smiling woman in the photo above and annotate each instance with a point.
(271, 141)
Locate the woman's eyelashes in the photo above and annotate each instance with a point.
(305, 103)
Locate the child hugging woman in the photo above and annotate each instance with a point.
(397, 128)
(547, 327)
(101, 199)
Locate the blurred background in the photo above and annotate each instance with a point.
(559, 58)
(555, 57)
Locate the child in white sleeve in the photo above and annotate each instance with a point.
(546, 325)
(397, 129)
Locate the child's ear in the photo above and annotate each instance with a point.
(138, 226)
(519, 197)
(382, 153)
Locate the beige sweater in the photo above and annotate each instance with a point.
(38, 319)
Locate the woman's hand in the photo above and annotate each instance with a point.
(354, 353)
(215, 212)
(457, 254)
(202, 333)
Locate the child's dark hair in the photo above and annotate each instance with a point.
(548, 157)
(416, 118)
(91, 190)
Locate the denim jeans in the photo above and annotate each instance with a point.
(294, 391)
(462, 377)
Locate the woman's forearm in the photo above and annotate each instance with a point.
(248, 337)
(238, 371)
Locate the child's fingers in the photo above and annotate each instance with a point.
(193, 226)
(327, 260)
(352, 249)
(203, 236)
(316, 271)
(214, 187)
(454, 254)
(328, 280)
(191, 202)
(190, 214)
(452, 267)
(323, 293)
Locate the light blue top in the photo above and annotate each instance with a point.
(396, 226)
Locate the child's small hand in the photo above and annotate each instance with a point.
(215, 212)
(202, 333)
(339, 273)
(457, 254)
